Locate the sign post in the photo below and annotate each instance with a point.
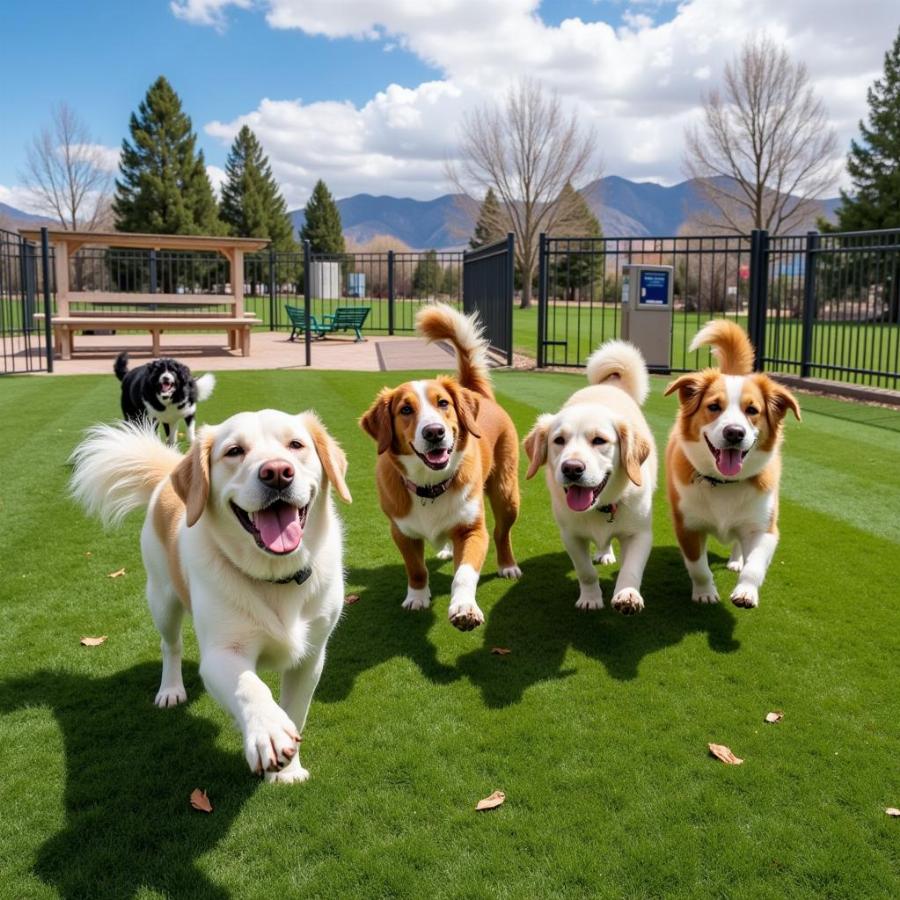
(647, 312)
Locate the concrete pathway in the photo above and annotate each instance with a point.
(94, 354)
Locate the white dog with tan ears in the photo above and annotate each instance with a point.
(241, 532)
(601, 472)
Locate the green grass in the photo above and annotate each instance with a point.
(595, 725)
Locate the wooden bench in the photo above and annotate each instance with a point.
(65, 328)
(345, 318)
(153, 312)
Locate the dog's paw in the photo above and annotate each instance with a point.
(270, 739)
(417, 598)
(465, 615)
(706, 594)
(512, 571)
(292, 773)
(746, 596)
(171, 696)
(628, 602)
(446, 552)
(605, 557)
(735, 564)
(591, 597)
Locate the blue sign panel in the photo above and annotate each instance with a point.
(356, 284)
(654, 287)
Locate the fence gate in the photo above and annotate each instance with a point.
(488, 285)
(25, 289)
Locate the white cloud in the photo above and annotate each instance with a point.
(217, 178)
(21, 198)
(206, 12)
(637, 84)
(104, 158)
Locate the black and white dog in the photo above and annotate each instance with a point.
(162, 391)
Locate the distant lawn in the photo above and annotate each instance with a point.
(594, 725)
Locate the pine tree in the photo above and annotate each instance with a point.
(583, 269)
(163, 186)
(252, 205)
(491, 224)
(428, 275)
(874, 161)
(323, 222)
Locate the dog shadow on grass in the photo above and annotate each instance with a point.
(130, 770)
(535, 618)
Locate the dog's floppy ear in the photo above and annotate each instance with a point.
(378, 422)
(190, 479)
(633, 451)
(536, 444)
(465, 402)
(332, 457)
(778, 400)
(690, 389)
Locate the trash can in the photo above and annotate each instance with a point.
(647, 312)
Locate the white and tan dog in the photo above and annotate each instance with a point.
(241, 532)
(723, 463)
(601, 472)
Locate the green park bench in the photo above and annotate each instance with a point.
(345, 318)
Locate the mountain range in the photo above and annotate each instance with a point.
(624, 208)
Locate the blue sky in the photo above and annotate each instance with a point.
(370, 95)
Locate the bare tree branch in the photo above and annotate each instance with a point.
(764, 151)
(66, 171)
(527, 150)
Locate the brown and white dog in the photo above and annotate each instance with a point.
(601, 473)
(242, 532)
(443, 443)
(723, 463)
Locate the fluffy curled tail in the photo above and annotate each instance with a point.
(621, 364)
(120, 367)
(205, 385)
(117, 467)
(731, 346)
(442, 322)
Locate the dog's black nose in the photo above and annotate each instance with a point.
(734, 434)
(433, 433)
(276, 473)
(573, 468)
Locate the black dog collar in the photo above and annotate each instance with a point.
(299, 577)
(429, 491)
(699, 476)
(610, 509)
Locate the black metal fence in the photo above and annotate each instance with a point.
(488, 288)
(26, 288)
(819, 305)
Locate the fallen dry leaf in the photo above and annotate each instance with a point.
(720, 751)
(92, 641)
(117, 574)
(774, 717)
(496, 799)
(893, 812)
(501, 651)
(200, 801)
(350, 599)
(88, 554)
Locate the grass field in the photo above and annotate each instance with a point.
(595, 726)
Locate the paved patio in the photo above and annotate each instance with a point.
(94, 354)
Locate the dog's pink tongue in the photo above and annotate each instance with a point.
(279, 527)
(579, 498)
(438, 457)
(729, 462)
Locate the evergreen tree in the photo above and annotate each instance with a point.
(428, 275)
(450, 283)
(582, 269)
(163, 186)
(323, 222)
(491, 224)
(252, 205)
(874, 161)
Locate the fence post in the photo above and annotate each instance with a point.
(510, 297)
(759, 294)
(154, 276)
(27, 264)
(307, 298)
(542, 300)
(45, 272)
(809, 301)
(271, 289)
(390, 291)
